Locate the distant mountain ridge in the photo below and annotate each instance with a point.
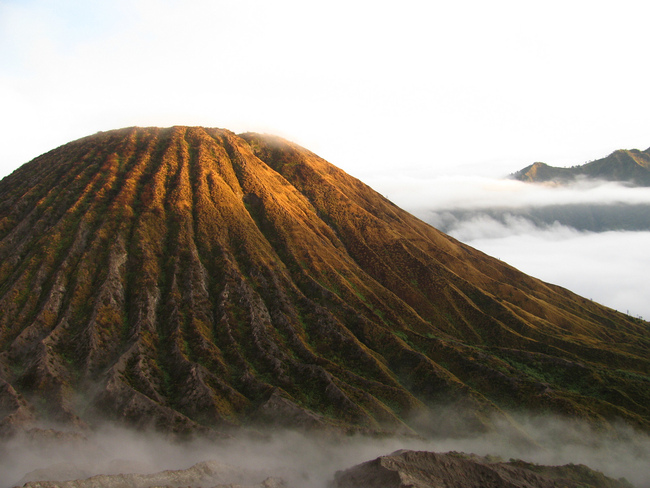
(629, 166)
(191, 279)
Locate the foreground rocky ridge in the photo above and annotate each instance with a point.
(205, 474)
(419, 469)
(208, 474)
(194, 280)
(402, 469)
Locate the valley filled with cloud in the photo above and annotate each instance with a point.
(590, 237)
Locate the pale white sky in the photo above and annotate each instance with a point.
(423, 100)
(411, 87)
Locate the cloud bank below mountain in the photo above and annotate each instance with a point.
(421, 195)
(496, 216)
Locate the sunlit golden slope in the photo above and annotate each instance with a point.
(191, 278)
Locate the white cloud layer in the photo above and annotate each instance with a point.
(423, 195)
(611, 268)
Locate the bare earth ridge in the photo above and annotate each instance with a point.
(193, 280)
(402, 469)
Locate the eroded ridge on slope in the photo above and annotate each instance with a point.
(193, 279)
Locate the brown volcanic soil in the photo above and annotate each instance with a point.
(192, 279)
(419, 469)
(208, 474)
(402, 469)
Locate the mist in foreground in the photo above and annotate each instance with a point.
(311, 460)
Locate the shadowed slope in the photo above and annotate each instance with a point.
(192, 278)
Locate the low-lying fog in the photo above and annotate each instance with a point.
(502, 218)
(311, 461)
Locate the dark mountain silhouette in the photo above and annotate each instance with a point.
(194, 280)
(628, 166)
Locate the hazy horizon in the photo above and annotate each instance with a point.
(421, 89)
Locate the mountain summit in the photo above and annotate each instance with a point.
(193, 279)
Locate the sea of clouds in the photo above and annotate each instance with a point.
(610, 267)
